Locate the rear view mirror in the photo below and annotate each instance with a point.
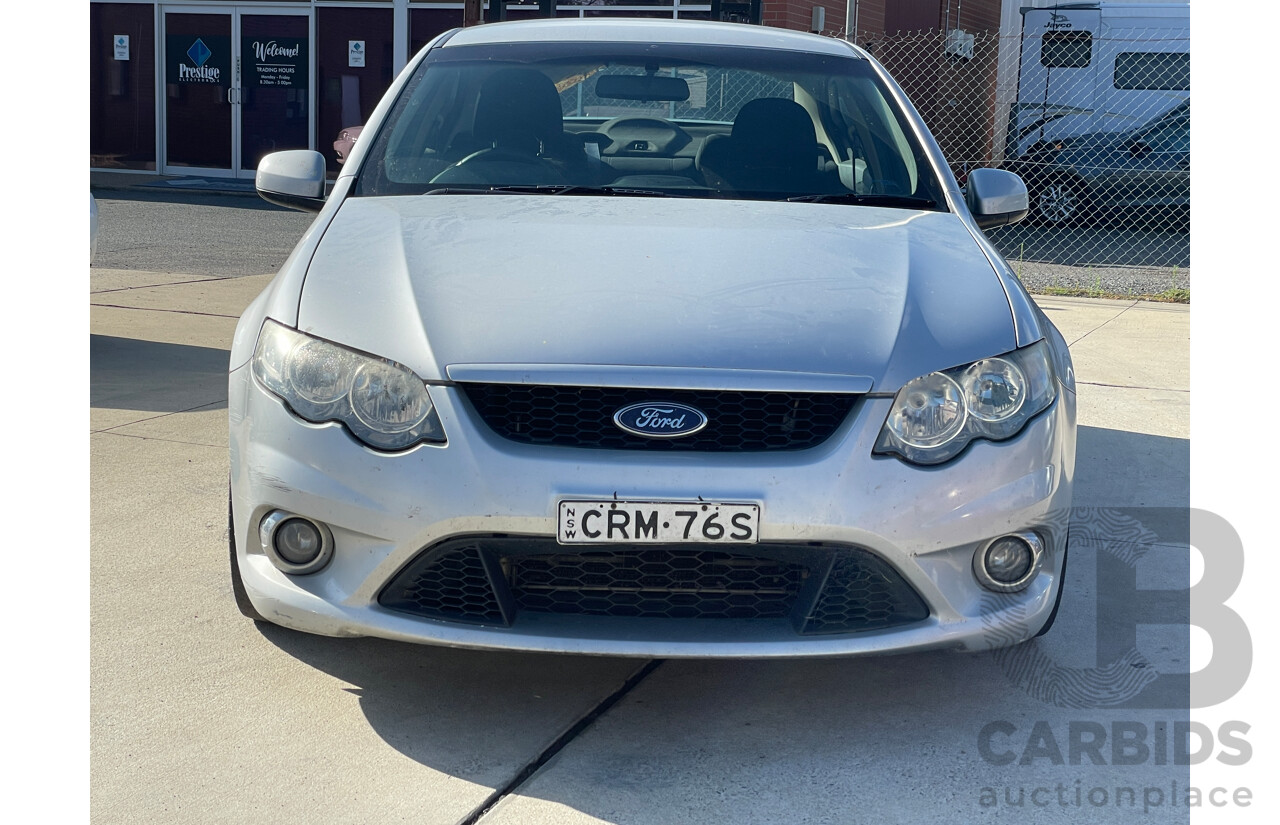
(996, 197)
(294, 178)
(642, 87)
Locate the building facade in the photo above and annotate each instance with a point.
(208, 87)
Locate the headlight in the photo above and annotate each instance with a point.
(381, 403)
(935, 416)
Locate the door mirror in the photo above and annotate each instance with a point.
(996, 197)
(294, 178)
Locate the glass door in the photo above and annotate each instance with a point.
(199, 87)
(237, 86)
(275, 72)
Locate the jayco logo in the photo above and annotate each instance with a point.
(264, 50)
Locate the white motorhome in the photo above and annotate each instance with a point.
(1098, 67)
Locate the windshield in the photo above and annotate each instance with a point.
(636, 119)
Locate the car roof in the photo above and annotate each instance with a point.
(622, 30)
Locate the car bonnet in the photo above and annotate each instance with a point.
(436, 280)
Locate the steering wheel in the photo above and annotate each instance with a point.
(500, 166)
(494, 155)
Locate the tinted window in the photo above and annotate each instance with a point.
(1166, 71)
(1172, 137)
(1066, 50)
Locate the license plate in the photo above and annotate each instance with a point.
(657, 522)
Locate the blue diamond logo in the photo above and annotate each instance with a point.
(199, 53)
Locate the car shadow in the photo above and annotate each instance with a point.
(692, 726)
(133, 374)
(467, 713)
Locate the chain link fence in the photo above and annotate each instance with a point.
(1099, 129)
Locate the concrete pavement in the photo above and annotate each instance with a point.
(200, 716)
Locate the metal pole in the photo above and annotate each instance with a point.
(400, 40)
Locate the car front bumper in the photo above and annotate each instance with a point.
(385, 510)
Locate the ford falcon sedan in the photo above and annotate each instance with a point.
(651, 339)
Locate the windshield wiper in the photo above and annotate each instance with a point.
(558, 189)
(903, 201)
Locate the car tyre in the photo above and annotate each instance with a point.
(1059, 202)
(1062, 583)
(237, 583)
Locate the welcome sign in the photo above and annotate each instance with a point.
(279, 62)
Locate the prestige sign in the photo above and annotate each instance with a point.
(204, 60)
(280, 62)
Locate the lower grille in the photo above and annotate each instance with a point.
(696, 584)
(863, 593)
(817, 588)
(451, 582)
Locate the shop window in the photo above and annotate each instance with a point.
(355, 67)
(122, 94)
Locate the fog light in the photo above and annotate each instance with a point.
(1009, 563)
(298, 541)
(296, 545)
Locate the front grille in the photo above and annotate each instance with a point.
(494, 579)
(583, 417)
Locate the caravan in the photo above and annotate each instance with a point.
(1098, 67)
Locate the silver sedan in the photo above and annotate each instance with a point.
(654, 339)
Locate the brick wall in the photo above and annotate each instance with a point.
(870, 18)
(876, 17)
(797, 15)
(914, 15)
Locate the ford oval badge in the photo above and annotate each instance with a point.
(660, 419)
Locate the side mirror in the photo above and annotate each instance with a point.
(996, 197)
(294, 178)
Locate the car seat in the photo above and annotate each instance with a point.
(773, 148)
(518, 121)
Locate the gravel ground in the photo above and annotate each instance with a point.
(1045, 278)
(1099, 259)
